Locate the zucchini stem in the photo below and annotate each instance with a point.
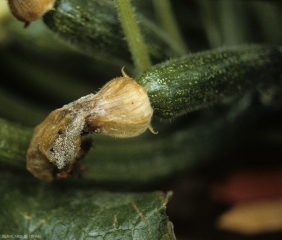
(133, 35)
(168, 22)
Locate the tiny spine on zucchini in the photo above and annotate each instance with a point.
(120, 109)
(198, 80)
(30, 10)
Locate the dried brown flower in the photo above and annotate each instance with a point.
(120, 109)
(30, 10)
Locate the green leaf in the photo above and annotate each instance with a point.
(66, 212)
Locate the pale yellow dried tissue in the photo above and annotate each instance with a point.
(120, 109)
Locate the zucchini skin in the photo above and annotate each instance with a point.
(195, 81)
(94, 28)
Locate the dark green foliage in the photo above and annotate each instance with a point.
(60, 212)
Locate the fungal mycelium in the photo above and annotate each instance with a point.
(120, 109)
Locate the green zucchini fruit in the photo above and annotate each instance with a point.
(198, 80)
(94, 28)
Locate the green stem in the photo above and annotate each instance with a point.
(168, 22)
(209, 12)
(235, 30)
(14, 142)
(133, 35)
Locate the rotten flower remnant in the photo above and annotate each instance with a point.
(120, 109)
(30, 10)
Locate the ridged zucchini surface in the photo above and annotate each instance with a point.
(197, 80)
